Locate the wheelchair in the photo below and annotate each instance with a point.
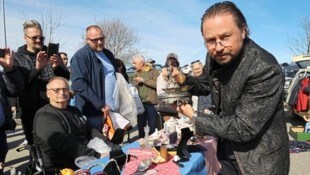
(36, 166)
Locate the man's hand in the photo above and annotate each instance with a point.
(186, 110)
(55, 60)
(41, 60)
(7, 61)
(106, 111)
(139, 79)
(175, 73)
(164, 73)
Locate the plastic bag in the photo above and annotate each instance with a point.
(99, 145)
(138, 102)
(125, 103)
(83, 161)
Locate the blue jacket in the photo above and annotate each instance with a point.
(88, 80)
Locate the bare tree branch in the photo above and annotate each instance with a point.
(301, 45)
(50, 22)
(120, 39)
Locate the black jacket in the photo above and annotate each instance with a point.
(63, 135)
(249, 114)
(11, 84)
(34, 95)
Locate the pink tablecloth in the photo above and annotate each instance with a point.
(159, 169)
(209, 143)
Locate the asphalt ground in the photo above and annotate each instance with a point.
(300, 162)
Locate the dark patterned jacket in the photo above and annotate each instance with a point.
(34, 95)
(248, 119)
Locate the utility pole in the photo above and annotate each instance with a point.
(4, 26)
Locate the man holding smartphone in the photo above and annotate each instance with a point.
(37, 68)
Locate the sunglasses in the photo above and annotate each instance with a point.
(95, 40)
(197, 61)
(34, 38)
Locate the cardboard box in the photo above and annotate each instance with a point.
(297, 132)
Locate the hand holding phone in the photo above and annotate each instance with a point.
(6, 59)
(53, 48)
(2, 53)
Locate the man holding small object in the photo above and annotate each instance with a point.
(93, 78)
(246, 85)
(10, 85)
(32, 61)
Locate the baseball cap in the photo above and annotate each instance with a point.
(150, 61)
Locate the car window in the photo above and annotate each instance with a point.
(303, 64)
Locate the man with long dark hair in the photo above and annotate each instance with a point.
(246, 85)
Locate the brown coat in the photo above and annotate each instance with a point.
(148, 87)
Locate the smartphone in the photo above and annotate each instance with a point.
(2, 53)
(52, 48)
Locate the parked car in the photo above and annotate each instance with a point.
(289, 72)
(186, 69)
(303, 63)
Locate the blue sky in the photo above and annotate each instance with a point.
(163, 25)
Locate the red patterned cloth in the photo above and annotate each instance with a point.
(159, 169)
(302, 99)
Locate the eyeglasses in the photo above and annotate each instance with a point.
(95, 40)
(197, 61)
(57, 90)
(211, 44)
(34, 38)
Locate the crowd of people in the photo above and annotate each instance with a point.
(239, 90)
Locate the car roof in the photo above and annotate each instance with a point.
(301, 58)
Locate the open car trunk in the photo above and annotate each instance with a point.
(298, 93)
